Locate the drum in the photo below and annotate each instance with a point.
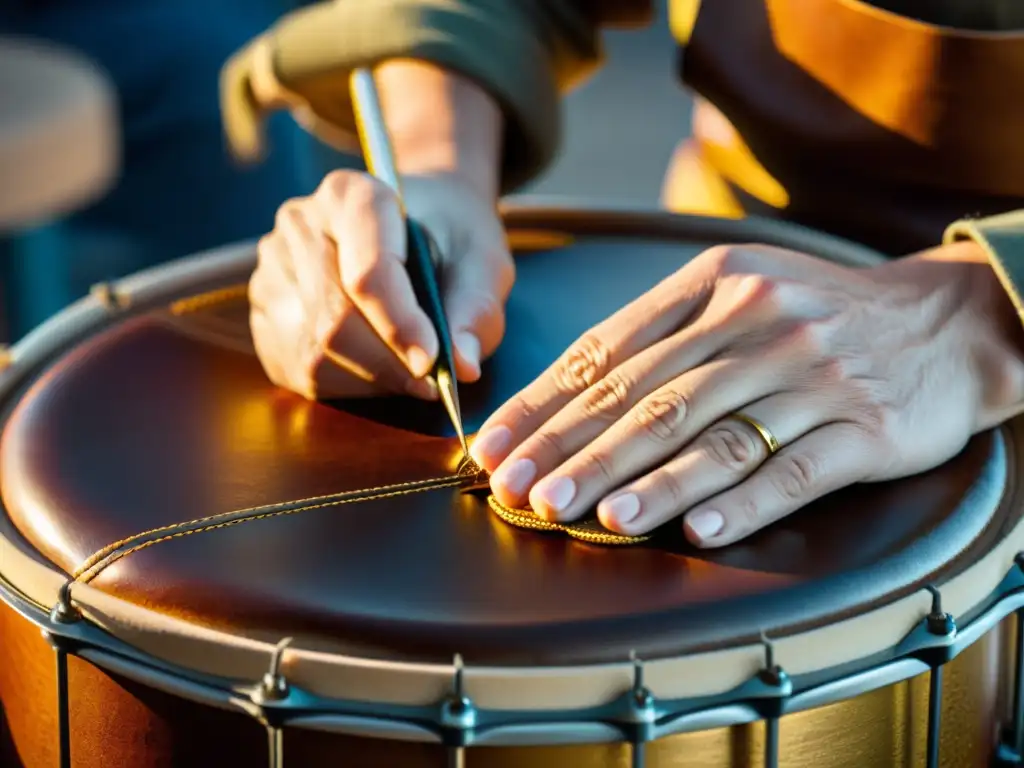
(199, 569)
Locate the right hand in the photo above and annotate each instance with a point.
(333, 313)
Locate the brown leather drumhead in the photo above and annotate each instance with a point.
(166, 417)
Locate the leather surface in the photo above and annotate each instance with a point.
(167, 418)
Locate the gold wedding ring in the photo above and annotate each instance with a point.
(766, 434)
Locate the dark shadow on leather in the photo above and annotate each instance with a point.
(839, 168)
(428, 418)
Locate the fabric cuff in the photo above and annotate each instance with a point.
(303, 64)
(1002, 239)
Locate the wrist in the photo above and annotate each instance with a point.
(441, 124)
(994, 341)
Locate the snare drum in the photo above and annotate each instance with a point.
(199, 569)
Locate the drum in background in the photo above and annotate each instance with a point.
(200, 569)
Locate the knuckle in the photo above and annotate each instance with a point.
(816, 336)
(256, 289)
(289, 214)
(667, 487)
(661, 414)
(875, 420)
(266, 251)
(582, 365)
(747, 293)
(796, 476)
(601, 464)
(365, 193)
(832, 370)
(747, 515)
(550, 442)
(609, 398)
(519, 409)
(731, 445)
(723, 259)
(336, 184)
(758, 289)
(364, 280)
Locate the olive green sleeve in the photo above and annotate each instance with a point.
(525, 53)
(1002, 238)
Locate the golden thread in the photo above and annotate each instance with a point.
(109, 554)
(590, 531)
(269, 510)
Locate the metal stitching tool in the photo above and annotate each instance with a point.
(423, 256)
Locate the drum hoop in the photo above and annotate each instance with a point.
(892, 642)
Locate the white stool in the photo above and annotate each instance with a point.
(59, 132)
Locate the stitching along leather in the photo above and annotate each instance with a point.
(110, 554)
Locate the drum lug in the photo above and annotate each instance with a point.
(458, 717)
(938, 621)
(274, 686)
(940, 624)
(641, 707)
(773, 676)
(641, 713)
(64, 612)
(458, 712)
(273, 689)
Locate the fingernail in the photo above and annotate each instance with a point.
(622, 508)
(419, 361)
(425, 389)
(705, 524)
(516, 477)
(489, 446)
(554, 493)
(469, 347)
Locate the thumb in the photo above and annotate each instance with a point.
(474, 298)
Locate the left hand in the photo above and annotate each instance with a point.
(860, 374)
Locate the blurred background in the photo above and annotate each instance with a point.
(177, 192)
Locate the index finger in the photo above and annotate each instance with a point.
(364, 219)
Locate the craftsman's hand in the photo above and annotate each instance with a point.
(861, 375)
(333, 308)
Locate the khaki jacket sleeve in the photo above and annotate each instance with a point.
(525, 53)
(1002, 238)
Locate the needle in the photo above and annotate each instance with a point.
(422, 258)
